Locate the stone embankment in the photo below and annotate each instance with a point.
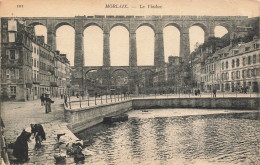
(82, 118)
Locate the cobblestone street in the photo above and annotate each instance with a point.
(19, 115)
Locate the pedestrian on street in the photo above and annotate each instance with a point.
(66, 100)
(42, 99)
(48, 103)
(214, 92)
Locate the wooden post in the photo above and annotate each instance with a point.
(88, 100)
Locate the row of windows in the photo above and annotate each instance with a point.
(236, 62)
(46, 55)
(12, 54)
(209, 68)
(210, 78)
(12, 74)
(236, 74)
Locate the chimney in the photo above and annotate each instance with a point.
(170, 60)
(40, 39)
(57, 52)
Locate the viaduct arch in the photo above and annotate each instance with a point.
(132, 23)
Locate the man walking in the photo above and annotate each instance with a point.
(42, 99)
(214, 92)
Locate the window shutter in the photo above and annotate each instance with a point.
(8, 53)
(17, 73)
(16, 54)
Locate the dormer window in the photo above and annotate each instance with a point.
(247, 48)
(236, 51)
(256, 46)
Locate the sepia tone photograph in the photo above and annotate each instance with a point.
(130, 82)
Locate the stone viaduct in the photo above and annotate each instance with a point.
(131, 23)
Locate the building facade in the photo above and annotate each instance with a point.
(28, 64)
(16, 64)
(230, 69)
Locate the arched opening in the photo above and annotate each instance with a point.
(41, 30)
(196, 37)
(171, 37)
(145, 45)
(220, 31)
(93, 46)
(119, 82)
(65, 41)
(119, 46)
(92, 82)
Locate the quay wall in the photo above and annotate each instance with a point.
(80, 119)
(209, 103)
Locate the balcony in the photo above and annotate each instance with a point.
(53, 84)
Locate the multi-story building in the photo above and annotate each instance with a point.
(29, 67)
(46, 63)
(16, 64)
(231, 69)
(35, 68)
(62, 73)
(240, 67)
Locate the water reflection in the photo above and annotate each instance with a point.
(232, 137)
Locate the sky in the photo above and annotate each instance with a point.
(119, 41)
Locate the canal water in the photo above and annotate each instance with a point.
(176, 136)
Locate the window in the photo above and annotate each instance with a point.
(253, 72)
(233, 63)
(243, 73)
(249, 60)
(256, 46)
(17, 73)
(238, 74)
(244, 61)
(34, 50)
(247, 48)
(37, 64)
(12, 54)
(34, 64)
(37, 75)
(238, 62)
(11, 36)
(7, 74)
(248, 73)
(236, 51)
(227, 76)
(226, 64)
(254, 59)
(232, 75)
(13, 90)
(223, 66)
